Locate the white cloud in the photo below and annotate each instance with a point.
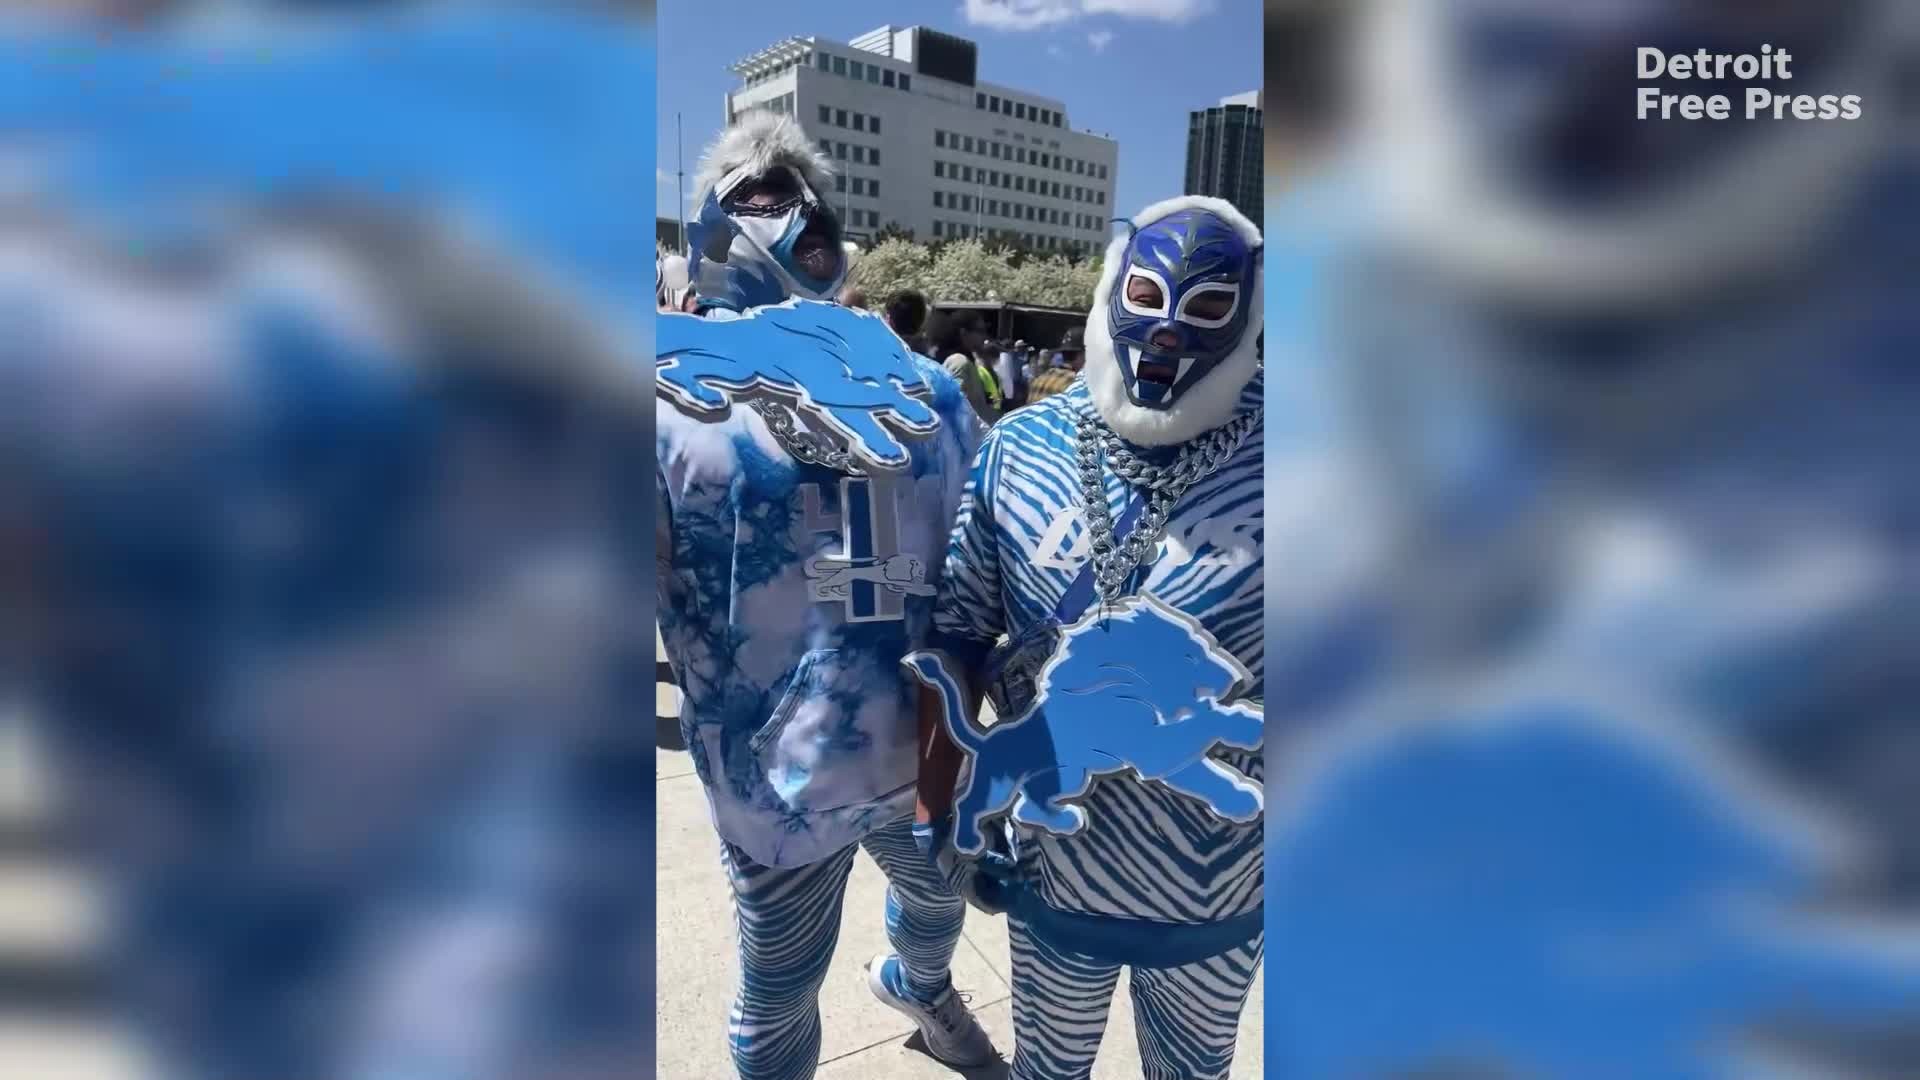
(1019, 14)
(1099, 39)
(1173, 11)
(1055, 50)
(1040, 14)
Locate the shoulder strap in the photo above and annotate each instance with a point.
(1079, 595)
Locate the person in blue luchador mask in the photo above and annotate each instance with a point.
(1112, 533)
(809, 465)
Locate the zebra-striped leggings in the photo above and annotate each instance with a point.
(1187, 1017)
(789, 921)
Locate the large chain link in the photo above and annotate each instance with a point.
(1114, 560)
(805, 446)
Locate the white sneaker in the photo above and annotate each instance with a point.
(948, 1026)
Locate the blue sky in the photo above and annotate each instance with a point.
(524, 118)
(1129, 68)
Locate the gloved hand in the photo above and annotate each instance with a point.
(984, 880)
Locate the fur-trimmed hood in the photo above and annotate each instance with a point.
(1211, 401)
(762, 139)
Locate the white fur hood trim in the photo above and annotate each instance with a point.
(1210, 402)
(761, 140)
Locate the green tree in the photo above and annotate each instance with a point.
(892, 265)
(965, 270)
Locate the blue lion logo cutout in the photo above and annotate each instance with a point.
(844, 372)
(1141, 688)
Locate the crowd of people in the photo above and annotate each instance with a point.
(996, 376)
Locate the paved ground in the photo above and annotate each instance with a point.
(862, 1039)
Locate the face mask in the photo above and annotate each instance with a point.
(1178, 306)
(762, 238)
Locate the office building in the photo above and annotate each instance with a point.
(1225, 152)
(921, 142)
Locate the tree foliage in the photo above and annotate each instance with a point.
(892, 265)
(960, 271)
(967, 271)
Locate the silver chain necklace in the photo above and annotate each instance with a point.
(1114, 560)
(805, 446)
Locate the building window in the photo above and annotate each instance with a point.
(1103, 198)
(873, 157)
(859, 152)
(939, 169)
(993, 103)
(873, 74)
(940, 138)
(859, 122)
(886, 77)
(937, 197)
(840, 150)
(936, 221)
(839, 65)
(1019, 183)
(1103, 172)
(822, 61)
(993, 151)
(826, 146)
(873, 189)
(966, 144)
(858, 72)
(906, 81)
(873, 124)
(839, 183)
(966, 174)
(979, 101)
(826, 115)
(839, 118)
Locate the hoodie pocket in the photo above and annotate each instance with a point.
(838, 736)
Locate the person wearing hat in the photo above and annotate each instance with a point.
(1066, 368)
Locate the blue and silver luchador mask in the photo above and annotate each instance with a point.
(763, 237)
(1179, 305)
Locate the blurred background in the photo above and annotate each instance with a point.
(1592, 505)
(320, 606)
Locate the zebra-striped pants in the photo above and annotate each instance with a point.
(789, 921)
(1187, 1017)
